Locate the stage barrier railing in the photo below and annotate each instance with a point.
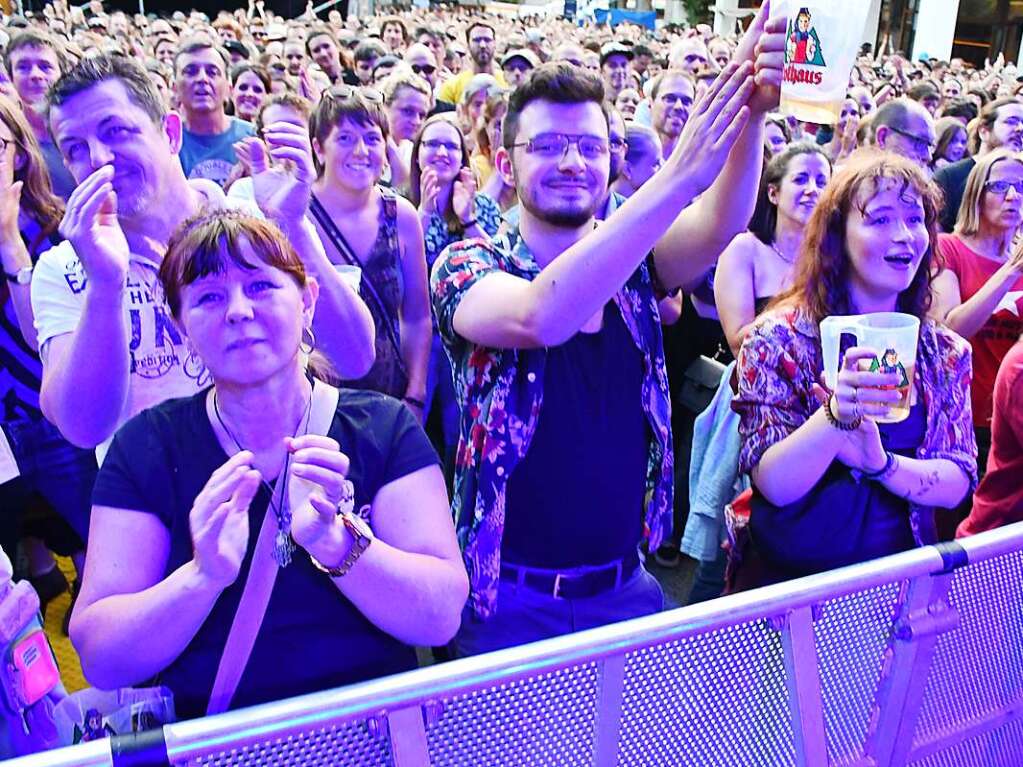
(914, 659)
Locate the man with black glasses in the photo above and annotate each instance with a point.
(423, 63)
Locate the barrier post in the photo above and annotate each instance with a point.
(408, 737)
(610, 684)
(924, 615)
(802, 677)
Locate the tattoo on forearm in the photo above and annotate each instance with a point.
(926, 482)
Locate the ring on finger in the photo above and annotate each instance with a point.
(347, 503)
(855, 396)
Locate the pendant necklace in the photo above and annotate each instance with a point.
(284, 545)
(774, 247)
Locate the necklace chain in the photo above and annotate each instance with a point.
(284, 545)
(782, 256)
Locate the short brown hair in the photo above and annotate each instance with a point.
(558, 82)
(354, 106)
(93, 70)
(206, 243)
(31, 38)
(201, 43)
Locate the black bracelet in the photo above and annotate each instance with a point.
(885, 472)
(417, 402)
(470, 222)
(852, 425)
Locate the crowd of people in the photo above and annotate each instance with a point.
(432, 327)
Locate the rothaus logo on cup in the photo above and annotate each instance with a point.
(822, 39)
(804, 58)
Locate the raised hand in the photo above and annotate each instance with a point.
(90, 224)
(429, 189)
(219, 520)
(315, 525)
(282, 171)
(713, 127)
(463, 195)
(10, 199)
(307, 86)
(764, 45)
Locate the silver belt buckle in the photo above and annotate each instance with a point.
(557, 586)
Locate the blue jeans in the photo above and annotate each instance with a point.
(440, 392)
(524, 615)
(56, 470)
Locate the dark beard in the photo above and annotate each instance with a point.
(559, 218)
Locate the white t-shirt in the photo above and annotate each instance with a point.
(161, 366)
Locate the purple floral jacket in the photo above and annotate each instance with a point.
(500, 392)
(781, 360)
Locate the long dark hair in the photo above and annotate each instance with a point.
(821, 285)
(764, 221)
(450, 217)
(37, 197)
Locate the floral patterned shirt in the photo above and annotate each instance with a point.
(781, 360)
(437, 235)
(500, 392)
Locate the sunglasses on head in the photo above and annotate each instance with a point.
(342, 92)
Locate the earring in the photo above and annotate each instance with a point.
(308, 343)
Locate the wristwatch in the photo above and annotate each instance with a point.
(362, 537)
(21, 277)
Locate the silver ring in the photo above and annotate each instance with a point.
(347, 503)
(855, 394)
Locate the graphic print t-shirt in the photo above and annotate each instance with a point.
(212, 157)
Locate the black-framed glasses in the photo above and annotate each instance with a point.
(551, 145)
(342, 92)
(921, 144)
(1001, 188)
(423, 69)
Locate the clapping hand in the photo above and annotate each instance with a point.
(315, 525)
(90, 224)
(282, 171)
(10, 200)
(714, 126)
(429, 189)
(219, 520)
(463, 195)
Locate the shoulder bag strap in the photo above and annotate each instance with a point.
(263, 569)
(341, 245)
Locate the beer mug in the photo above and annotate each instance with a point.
(892, 335)
(351, 275)
(821, 43)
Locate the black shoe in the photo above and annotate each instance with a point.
(667, 555)
(75, 588)
(49, 586)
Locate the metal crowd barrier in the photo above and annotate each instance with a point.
(915, 659)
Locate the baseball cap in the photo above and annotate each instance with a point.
(521, 53)
(615, 49)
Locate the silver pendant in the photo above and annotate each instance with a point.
(283, 548)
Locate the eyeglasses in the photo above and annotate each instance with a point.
(1001, 188)
(435, 144)
(552, 145)
(921, 144)
(423, 69)
(342, 92)
(618, 143)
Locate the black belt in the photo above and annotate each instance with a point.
(575, 583)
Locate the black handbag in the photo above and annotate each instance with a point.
(700, 383)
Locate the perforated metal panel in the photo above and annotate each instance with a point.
(714, 699)
(978, 668)
(852, 637)
(546, 720)
(1000, 748)
(349, 745)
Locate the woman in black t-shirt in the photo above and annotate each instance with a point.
(175, 519)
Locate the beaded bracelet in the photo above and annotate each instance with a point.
(885, 472)
(852, 425)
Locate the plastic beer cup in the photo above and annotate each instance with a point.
(822, 40)
(893, 336)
